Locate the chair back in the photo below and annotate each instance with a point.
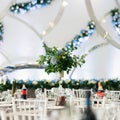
(98, 103)
(30, 109)
(6, 115)
(49, 94)
(81, 93)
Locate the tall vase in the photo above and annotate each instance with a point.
(60, 75)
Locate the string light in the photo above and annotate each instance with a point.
(51, 24)
(44, 33)
(64, 3)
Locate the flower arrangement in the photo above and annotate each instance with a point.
(27, 6)
(115, 14)
(82, 36)
(1, 31)
(109, 84)
(60, 60)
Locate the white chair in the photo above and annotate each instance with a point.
(80, 93)
(76, 93)
(79, 98)
(50, 95)
(30, 109)
(38, 91)
(79, 103)
(39, 94)
(6, 97)
(98, 103)
(6, 105)
(6, 115)
(112, 96)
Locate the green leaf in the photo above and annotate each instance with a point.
(60, 60)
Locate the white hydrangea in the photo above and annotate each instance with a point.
(4, 82)
(93, 81)
(77, 83)
(60, 82)
(11, 81)
(67, 81)
(49, 81)
(106, 80)
(25, 81)
(53, 60)
(52, 84)
(35, 82)
(45, 81)
(89, 81)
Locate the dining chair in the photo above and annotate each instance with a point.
(112, 96)
(80, 103)
(50, 95)
(29, 109)
(6, 115)
(98, 103)
(81, 93)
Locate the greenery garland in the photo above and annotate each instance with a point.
(109, 84)
(80, 38)
(115, 14)
(1, 31)
(27, 6)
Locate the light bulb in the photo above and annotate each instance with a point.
(64, 3)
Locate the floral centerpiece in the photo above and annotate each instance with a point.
(58, 60)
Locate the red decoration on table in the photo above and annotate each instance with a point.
(100, 94)
(24, 92)
(62, 101)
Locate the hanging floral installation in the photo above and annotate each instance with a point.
(21, 8)
(1, 31)
(80, 38)
(115, 14)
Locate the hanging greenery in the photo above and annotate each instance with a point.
(27, 6)
(80, 38)
(115, 14)
(1, 31)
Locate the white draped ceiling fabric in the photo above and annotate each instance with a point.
(55, 25)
